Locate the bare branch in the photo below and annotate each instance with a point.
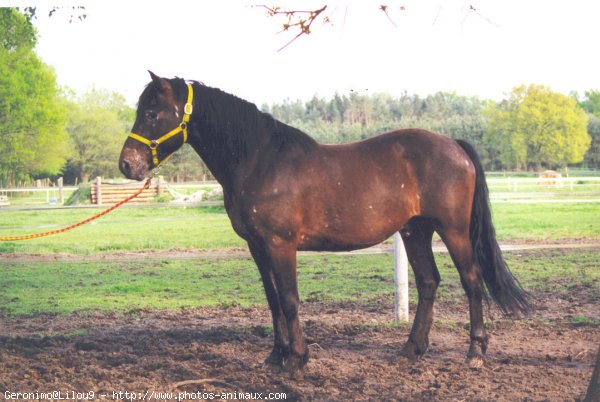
(474, 10)
(300, 20)
(385, 9)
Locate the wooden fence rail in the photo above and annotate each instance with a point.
(107, 193)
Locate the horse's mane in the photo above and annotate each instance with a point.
(240, 124)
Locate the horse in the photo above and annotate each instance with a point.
(284, 192)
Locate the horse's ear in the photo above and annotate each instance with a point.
(154, 77)
(161, 83)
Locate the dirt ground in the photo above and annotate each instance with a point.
(547, 357)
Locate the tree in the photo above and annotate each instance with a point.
(78, 13)
(97, 124)
(17, 32)
(507, 146)
(33, 139)
(591, 104)
(537, 127)
(353, 117)
(592, 157)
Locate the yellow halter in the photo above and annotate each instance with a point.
(182, 128)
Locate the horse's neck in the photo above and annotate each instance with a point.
(233, 137)
(220, 151)
(222, 167)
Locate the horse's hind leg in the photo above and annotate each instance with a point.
(417, 237)
(459, 245)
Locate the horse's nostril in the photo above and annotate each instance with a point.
(125, 168)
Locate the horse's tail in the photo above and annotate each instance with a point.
(500, 282)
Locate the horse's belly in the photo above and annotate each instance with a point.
(318, 243)
(349, 233)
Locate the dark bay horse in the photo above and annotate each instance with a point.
(285, 192)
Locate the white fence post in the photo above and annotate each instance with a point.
(400, 280)
(61, 195)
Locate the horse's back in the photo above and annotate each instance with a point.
(363, 192)
(407, 155)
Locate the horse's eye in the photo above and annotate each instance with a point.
(151, 115)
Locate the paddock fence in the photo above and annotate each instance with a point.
(52, 194)
(110, 193)
(544, 189)
(46, 192)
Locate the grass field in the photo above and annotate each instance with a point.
(126, 229)
(164, 228)
(67, 287)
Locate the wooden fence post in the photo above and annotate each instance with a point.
(400, 280)
(99, 190)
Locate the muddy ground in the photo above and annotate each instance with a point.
(547, 357)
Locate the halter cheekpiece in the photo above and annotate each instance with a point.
(182, 128)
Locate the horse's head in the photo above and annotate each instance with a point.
(160, 126)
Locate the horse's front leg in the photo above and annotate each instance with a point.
(280, 332)
(282, 258)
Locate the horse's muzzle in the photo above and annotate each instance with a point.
(133, 164)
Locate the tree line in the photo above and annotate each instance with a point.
(48, 131)
(533, 128)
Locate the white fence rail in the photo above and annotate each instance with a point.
(58, 192)
(532, 190)
(516, 184)
(502, 189)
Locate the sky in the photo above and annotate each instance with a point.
(423, 47)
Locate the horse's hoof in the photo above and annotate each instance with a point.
(297, 375)
(293, 365)
(401, 360)
(476, 361)
(412, 352)
(268, 365)
(275, 359)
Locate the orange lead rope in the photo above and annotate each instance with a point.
(112, 208)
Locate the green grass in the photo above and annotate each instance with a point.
(583, 320)
(168, 228)
(127, 229)
(547, 221)
(67, 287)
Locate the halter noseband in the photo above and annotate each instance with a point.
(182, 128)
